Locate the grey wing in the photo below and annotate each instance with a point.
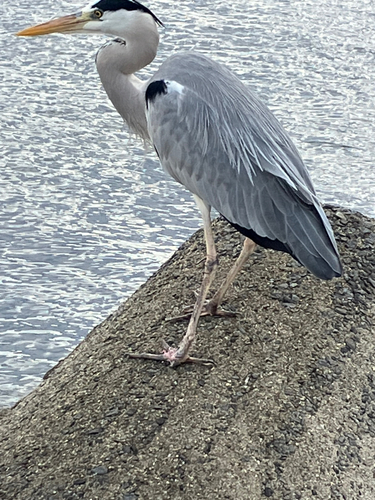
(222, 144)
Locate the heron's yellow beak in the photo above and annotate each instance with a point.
(63, 24)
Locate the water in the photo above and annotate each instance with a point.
(86, 216)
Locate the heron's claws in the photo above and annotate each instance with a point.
(172, 356)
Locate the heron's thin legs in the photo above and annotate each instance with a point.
(211, 308)
(209, 275)
(179, 355)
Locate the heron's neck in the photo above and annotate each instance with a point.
(127, 93)
(117, 62)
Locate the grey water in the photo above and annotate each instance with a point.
(86, 215)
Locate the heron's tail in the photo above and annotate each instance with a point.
(322, 258)
(308, 238)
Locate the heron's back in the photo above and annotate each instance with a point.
(222, 143)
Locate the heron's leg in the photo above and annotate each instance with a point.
(208, 277)
(179, 355)
(211, 308)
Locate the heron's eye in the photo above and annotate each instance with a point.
(98, 13)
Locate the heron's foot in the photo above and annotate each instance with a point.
(209, 309)
(173, 355)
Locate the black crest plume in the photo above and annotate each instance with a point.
(113, 5)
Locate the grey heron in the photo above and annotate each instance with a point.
(216, 138)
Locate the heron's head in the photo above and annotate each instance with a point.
(110, 17)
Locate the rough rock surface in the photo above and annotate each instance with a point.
(287, 412)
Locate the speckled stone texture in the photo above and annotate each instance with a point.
(287, 412)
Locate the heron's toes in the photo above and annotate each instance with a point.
(172, 355)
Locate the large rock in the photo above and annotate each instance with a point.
(287, 412)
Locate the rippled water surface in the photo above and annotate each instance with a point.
(86, 216)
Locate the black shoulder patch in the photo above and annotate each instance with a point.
(155, 88)
(113, 5)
